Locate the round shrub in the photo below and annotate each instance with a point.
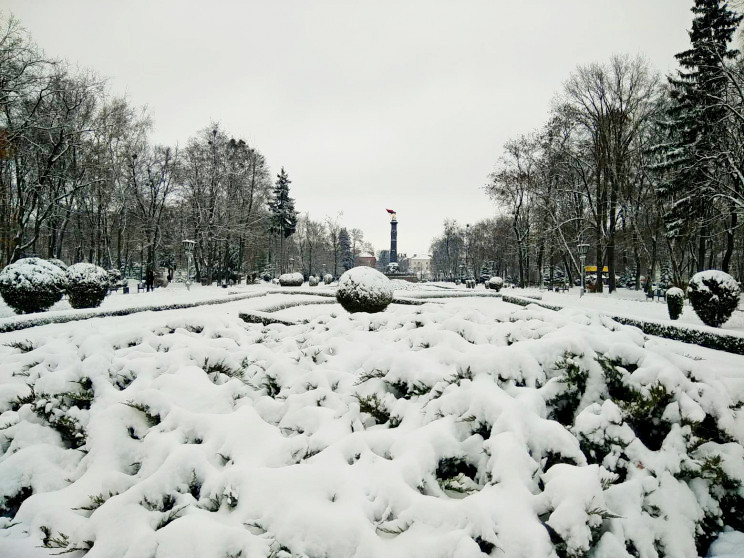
(291, 279)
(32, 285)
(495, 283)
(313, 281)
(363, 289)
(675, 299)
(714, 296)
(327, 278)
(87, 285)
(275, 281)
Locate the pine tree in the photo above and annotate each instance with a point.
(347, 258)
(283, 215)
(691, 156)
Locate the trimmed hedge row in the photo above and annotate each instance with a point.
(17, 325)
(526, 301)
(719, 341)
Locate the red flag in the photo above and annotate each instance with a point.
(390, 210)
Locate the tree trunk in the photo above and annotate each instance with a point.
(726, 263)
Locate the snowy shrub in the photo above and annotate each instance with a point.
(714, 296)
(32, 285)
(291, 279)
(87, 285)
(495, 283)
(313, 281)
(363, 289)
(266, 277)
(440, 431)
(59, 263)
(675, 301)
(114, 276)
(327, 278)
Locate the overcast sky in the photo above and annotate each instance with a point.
(367, 104)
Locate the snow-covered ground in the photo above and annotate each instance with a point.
(457, 429)
(172, 294)
(630, 303)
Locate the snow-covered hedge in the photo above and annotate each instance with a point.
(32, 285)
(675, 299)
(87, 285)
(313, 281)
(327, 278)
(364, 289)
(291, 279)
(18, 324)
(718, 341)
(714, 296)
(495, 283)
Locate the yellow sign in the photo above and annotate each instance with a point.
(593, 269)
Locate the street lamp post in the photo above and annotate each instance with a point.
(467, 246)
(583, 247)
(188, 248)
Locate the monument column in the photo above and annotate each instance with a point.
(393, 239)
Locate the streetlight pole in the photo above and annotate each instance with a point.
(583, 247)
(467, 248)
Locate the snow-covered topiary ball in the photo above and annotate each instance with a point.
(32, 285)
(363, 289)
(714, 296)
(675, 299)
(327, 278)
(87, 285)
(495, 283)
(313, 281)
(291, 279)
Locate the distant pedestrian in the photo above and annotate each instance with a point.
(149, 279)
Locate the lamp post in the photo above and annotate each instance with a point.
(583, 247)
(467, 246)
(188, 248)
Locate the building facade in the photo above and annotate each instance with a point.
(418, 265)
(366, 259)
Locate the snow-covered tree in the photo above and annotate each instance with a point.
(347, 257)
(693, 155)
(283, 214)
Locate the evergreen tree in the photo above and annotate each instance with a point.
(347, 258)
(283, 215)
(691, 156)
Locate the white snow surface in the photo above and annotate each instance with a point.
(208, 437)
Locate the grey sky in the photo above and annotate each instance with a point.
(367, 104)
